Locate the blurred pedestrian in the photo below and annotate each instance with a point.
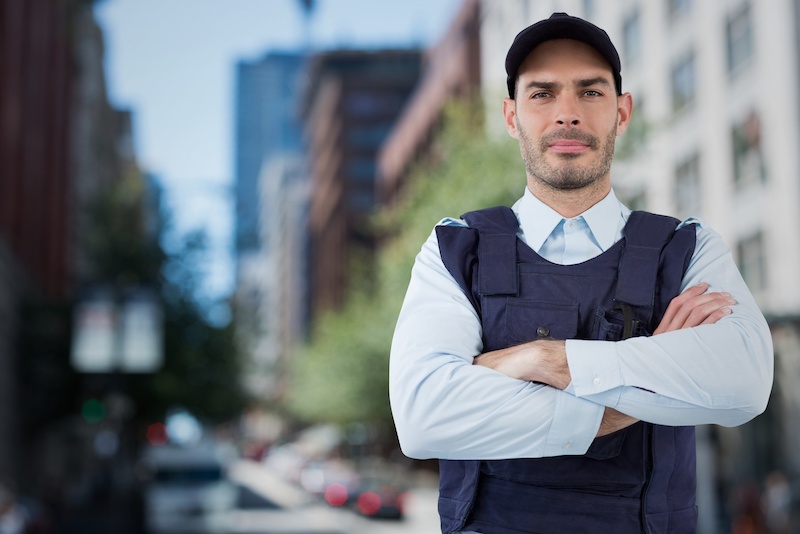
(748, 516)
(13, 517)
(523, 357)
(777, 500)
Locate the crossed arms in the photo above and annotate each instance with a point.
(545, 361)
(709, 362)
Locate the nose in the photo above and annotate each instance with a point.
(567, 113)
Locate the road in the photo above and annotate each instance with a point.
(421, 517)
(277, 506)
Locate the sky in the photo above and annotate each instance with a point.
(172, 62)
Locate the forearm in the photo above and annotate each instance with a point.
(719, 374)
(713, 373)
(462, 411)
(543, 361)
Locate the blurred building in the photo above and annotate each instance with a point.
(269, 174)
(282, 314)
(266, 125)
(61, 145)
(714, 135)
(350, 102)
(36, 202)
(451, 71)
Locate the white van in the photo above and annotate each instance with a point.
(188, 488)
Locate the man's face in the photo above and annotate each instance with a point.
(566, 115)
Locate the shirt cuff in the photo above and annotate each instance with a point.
(574, 427)
(594, 366)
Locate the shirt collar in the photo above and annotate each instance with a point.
(537, 220)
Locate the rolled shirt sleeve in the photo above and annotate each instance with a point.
(720, 373)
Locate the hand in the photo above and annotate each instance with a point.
(542, 361)
(613, 421)
(691, 308)
(694, 307)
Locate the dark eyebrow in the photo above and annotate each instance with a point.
(599, 80)
(547, 86)
(583, 83)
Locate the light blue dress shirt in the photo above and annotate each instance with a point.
(445, 407)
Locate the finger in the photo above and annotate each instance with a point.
(703, 310)
(717, 315)
(682, 308)
(676, 303)
(693, 311)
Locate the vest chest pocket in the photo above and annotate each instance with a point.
(530, 320)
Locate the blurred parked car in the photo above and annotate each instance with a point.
(187, 488)
(269, 504)
(332, 479)
(288, 461)
(381, 497)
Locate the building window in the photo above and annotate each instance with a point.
(632, 38)
(739, 36)
(678, 8)
(752, 265)
(361, 170)
(367, 103)
(748, 162)
(687, 187)
(683, 83)
(368, 135)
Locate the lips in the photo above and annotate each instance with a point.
(569, 141)
(568, 146)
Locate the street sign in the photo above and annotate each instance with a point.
(118, 335)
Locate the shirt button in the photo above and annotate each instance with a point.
(567, 445)
(597, 381)
(542, 331)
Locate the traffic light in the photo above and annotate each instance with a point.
(93, 410)
(157, 434)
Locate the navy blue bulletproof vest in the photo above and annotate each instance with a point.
(639, 479)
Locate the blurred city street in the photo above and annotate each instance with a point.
(209, 211)
(178, 496)
(316, 516)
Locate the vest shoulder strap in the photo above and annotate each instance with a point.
(490, 231)
(645, 235)
(497, 243)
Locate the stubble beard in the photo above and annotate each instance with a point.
(569, 174)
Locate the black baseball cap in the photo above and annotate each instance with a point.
(560, 26)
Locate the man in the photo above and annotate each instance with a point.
(522, 357)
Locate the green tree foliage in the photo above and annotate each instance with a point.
(342, 374)
(202, 369)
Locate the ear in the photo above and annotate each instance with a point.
(510, 115)
(624, 110)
